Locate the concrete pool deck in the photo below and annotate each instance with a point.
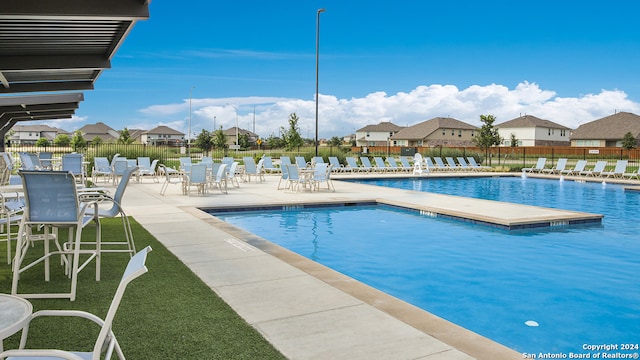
(304, 309)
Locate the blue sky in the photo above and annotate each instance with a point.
(407, 61)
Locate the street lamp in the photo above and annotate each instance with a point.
(237, 138)
(189, 131)
(317, 55)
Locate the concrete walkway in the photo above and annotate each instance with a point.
(304, 309)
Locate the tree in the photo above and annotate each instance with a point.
(291, 136)
(42, 142)
(204, 141)
(243, 141)
(488, 135)
(62, 140)
(275, 142)
(125, 137)
(514, 140)
(97, 140)
(219, 139)
(628, 141)
(78, 141)
(335, 141)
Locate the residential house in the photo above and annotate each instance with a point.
(161, 135)
(376, 135)
(231, 136)
(100, 130)
(30, 134)
(607, 131)
(436, 132)
(532, 131)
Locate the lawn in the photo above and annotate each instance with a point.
(168, 313)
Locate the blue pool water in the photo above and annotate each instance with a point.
(578, 283)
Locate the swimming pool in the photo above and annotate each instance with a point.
(578, 283)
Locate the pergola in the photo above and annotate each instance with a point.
(57, 46)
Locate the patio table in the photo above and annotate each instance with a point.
(15, 313)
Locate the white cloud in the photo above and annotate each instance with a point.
(339, 117)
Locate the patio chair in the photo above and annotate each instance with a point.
(631, 175)
(115, 210)
(336, 166)
(251, 169)
(463, 164)
(539, 166)
(366, 164)
(185, 164)
(27, 163)
(284, 177)
(6, 168)
(106, 342)
(439, 164)
(11, 208)
(228, 160)
(101, 168)
(196, 177)
(618, 171)
(301, 162)
(220, 178)
(380, 164)
(316, 160)
(406, 166)
(284, 160)
(352, 164)
(560, 165)
(119, 169)
(393, 165)
(269, 167)
(474, 164)
(580, 165)
(171, 176)
(452, 164)
(73, 163)
(295, 180)
(150, 171)
(597, 169)
(322, 174)
(51, 202)
(46, 160)
(231, 174)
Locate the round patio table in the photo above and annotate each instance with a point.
(15, 313)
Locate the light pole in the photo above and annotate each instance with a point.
(317, 56)
(189, 131)
(237, 138)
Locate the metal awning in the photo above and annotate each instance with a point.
(61, 45)
(37, 107)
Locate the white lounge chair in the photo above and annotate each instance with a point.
(597, 169)
(352, 164)
(269, 167)
(618, 171)
(632, 175)
(336, 166)
(452, 163)
(439, 165)
(380, 164)
(539, 166)
(474, 165)
(366, 164)
(580, 165)
(560, 165)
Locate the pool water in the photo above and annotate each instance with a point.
(578, 283)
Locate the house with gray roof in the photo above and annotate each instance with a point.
(99, 130)
(160, 135)
(30, 134)
(532, 131)
(607, 131)
(438, 131)
(230, 134)
(376, 135)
